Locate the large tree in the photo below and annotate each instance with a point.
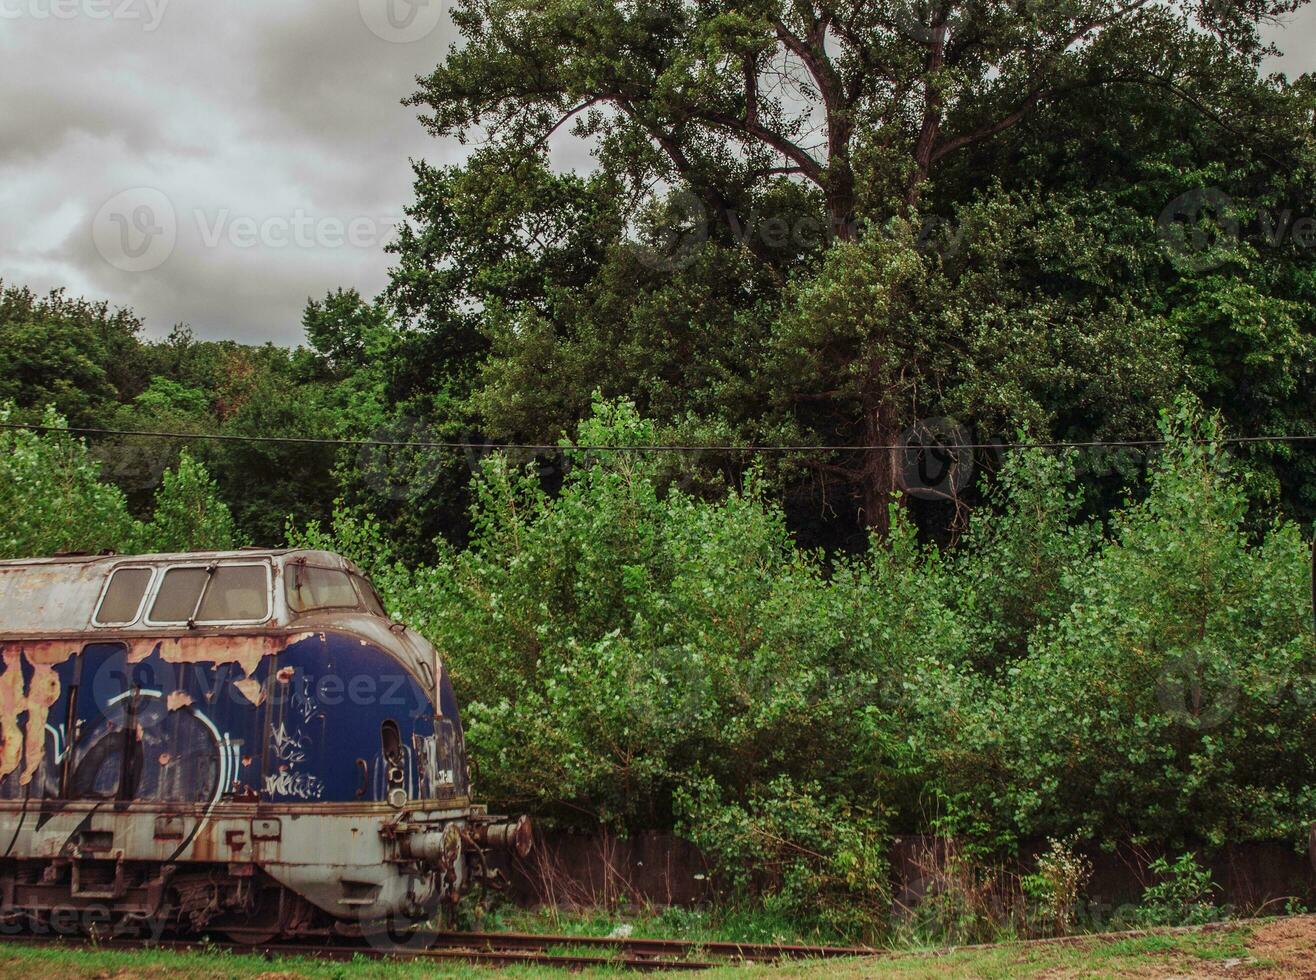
(863, 100)
(1089, 115)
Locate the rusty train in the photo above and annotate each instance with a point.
(241, 742)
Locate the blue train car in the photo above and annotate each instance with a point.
(241, 741)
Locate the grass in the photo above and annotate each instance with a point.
(727, 924)
(1211, 953)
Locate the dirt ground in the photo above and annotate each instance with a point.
(1289, 945)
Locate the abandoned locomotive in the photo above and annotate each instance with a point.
(240, 741)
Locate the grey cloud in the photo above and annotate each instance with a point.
(241, 114)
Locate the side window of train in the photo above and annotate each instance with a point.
(125, 594)
(311, 588)
(212, 594)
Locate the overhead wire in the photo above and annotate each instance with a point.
(994, 445)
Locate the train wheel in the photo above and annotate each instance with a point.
(266, 920)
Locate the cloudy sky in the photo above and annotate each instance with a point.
(216, 162)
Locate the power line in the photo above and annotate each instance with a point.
(545, 448)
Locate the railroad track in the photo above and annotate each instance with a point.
(642, 949)
(495, 949)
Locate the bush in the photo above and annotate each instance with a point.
(814, 859)
(1182, 895)
(631, 655)
(1173, 699)
(1056, 887)
(53, 499)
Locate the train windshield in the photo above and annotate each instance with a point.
(311, 587)
(237, 593)
(374, 605)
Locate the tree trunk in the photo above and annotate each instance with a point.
(879, 475)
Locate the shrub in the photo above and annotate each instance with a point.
(1173, 699)
(1182, 895)
(815, 859)
(1056, 887)
(53, 499)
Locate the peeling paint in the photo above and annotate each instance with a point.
(252, 690)
(42, 693)
(11, 703)
(28, 741)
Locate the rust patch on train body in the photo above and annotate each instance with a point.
(245, 651)
(11, 703)
(42, 693)
(36, 697)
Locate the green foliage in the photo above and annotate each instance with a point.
(630, 654)
(1056, 887)
(51, 495)
(1182, 895)
(816, 858)
(76, 355)
(53, 499)
(1173, 698)
(189, 515)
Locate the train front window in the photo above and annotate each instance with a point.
(123, 597)
(311, 588)
(213, 594)
(236, 594)
(180, 591)
(374, 605)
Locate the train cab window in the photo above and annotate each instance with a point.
(236, 594)
(213, 594)
(122, 602)
(180, 592)
(310, 588)
(370, 598)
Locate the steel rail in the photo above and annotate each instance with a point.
(636, 946)
(487, 957)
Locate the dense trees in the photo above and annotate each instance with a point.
(54, 498)
(644, 658)
(784, 130)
